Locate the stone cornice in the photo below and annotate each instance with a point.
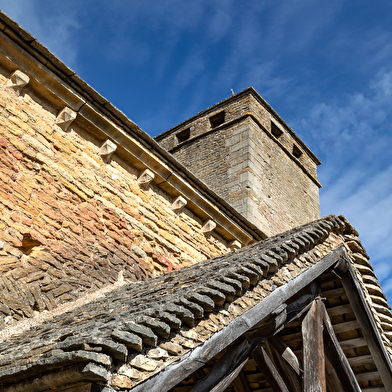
(225, 102)
(52, 79)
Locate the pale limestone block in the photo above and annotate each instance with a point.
(121, 381)
(107, 149)
(143, 363)
(185, 342)
(172, 348)
(208, 226)
(129, 372)
(235, 245)
(65, 118)
(146, 178)
(179, 203)
(18, 80)
(190, 335)
(157, 353)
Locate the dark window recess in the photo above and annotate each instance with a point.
(217, 119)
(183, 135)
(275, 130)
(296, 151)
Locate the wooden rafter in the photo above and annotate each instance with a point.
(270, 372)
(285, 362)
(240, 383)
(336, 357)
(227, 368)
(366, 321)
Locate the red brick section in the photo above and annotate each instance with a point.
(71, 223)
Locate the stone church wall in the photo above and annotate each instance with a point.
(71, 223)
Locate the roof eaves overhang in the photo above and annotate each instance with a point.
(52, 79)
(337, 261)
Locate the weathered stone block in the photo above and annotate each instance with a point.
(107, 149)
(208, 227)
(18, 80)
(145, 178)
(65, 118)
(179, 203)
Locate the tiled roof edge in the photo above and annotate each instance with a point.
(208, 286)
(371, 287)
(217, 281)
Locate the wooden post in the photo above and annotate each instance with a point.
(270, 373)
(313, 350)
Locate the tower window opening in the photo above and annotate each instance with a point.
(183, 135)
(275, 130)
(217, 119)
(296, 151)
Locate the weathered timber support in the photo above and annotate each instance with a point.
(336, 358)
(227, 368)
(240, 383)
(279, 317)
(284, 363)
(313, 350)
(270, 373)
(366, 321)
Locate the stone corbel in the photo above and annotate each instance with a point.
(107, 149)
(17, 81)
(179, 203)
(145, 178)
(208, 227)
(65, 118)
(235, 245)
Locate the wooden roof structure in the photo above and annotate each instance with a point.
(301, 311)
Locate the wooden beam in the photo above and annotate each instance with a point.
(279, 317)
(226, 381)
(240, 384)
(313, 350)
(338, 310)
(334, 293)
(366, 321)
(286, 353)
(368, 376)
(353, 343)
(347, 326)
(361, 360)
(268, 369)
(177, 371)
(289, 376)
(336, 356)
(226, 369)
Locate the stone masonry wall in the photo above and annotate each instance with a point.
(71, 223)
(249, 167)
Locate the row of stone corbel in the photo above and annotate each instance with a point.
(66, 116)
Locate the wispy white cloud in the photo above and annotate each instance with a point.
(354, 134)
(54, 27)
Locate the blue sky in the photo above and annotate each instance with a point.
(324, 65)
